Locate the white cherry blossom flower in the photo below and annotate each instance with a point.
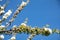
(48, 29)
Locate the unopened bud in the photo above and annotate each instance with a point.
(1, 36)
(23, 24)
(13, 38)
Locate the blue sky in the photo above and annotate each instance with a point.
(39, 13)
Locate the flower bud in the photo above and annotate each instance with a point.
(23, 3)
(2, 27)
(23, 24)
(2, 10)
(13, 38)
(1, 36)
(2, 7)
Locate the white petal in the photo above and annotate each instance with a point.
(2, 7)
(2, 36)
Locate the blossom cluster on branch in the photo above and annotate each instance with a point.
(23, 27)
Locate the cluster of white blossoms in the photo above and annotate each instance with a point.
(23, 28)
(7, 14)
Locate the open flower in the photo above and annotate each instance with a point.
(47, 31)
